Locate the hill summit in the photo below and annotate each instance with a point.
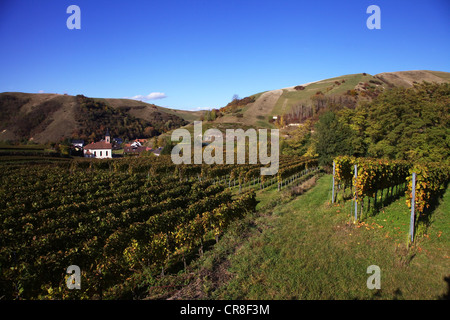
(304, 101)
(51, 117)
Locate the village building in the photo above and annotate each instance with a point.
(101, 149)
(77, 143)
(136, 147)
(130, 149)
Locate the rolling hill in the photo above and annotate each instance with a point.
(52, 117)
(300, 102)
(46, 118)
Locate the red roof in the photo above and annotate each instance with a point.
(99, 145)
(136, 149)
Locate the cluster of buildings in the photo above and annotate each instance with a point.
(103, 149)
(136, 147)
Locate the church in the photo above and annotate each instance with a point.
(99, 150)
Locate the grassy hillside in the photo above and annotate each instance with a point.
(331, 87)
(301, 102)
(52, 117)
(46, 118)
(149, 112)
(93, 116)
(26, 116)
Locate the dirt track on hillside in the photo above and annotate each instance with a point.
(256, 111)
(261, 109)
(263, 106)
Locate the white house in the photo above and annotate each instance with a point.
(78, 143)
(99, 150)
(136, 144)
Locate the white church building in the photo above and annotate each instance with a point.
(99, 150)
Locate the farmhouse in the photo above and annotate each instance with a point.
(133, 149)
(77, 143)
(99, 150)
(135, 144)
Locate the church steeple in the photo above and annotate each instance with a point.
(107, 136)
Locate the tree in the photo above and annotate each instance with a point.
(410, 123)
(333, 138)
(213, 115)
(149, 131)
(357, 121)
(300, 141)
(167, 149)
(169, 124)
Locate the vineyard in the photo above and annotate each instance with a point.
(117, 218)
(370, 177)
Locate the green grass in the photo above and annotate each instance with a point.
(14, 154)
(308, 250)
(264, 124)
(118, 151)
(31, 159)
(257, 95)
(302, 247)
(304, 96)
(32, 147)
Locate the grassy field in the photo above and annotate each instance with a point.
(291, 98)
(304, 248)
(31, 153)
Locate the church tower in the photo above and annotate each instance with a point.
(107, 136)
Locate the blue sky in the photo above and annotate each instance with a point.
(198, 53)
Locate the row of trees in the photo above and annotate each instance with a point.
(210, 115)
(236, 103)
(401, 123)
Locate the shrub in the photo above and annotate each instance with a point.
(236, 103)
(352, 93)
(302, 188)
(375, 82)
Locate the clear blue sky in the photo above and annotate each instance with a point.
(199, 53)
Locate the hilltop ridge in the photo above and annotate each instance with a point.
(300, 101)
(46, 117)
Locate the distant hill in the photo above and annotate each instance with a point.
(52, 117)
(304, 101)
